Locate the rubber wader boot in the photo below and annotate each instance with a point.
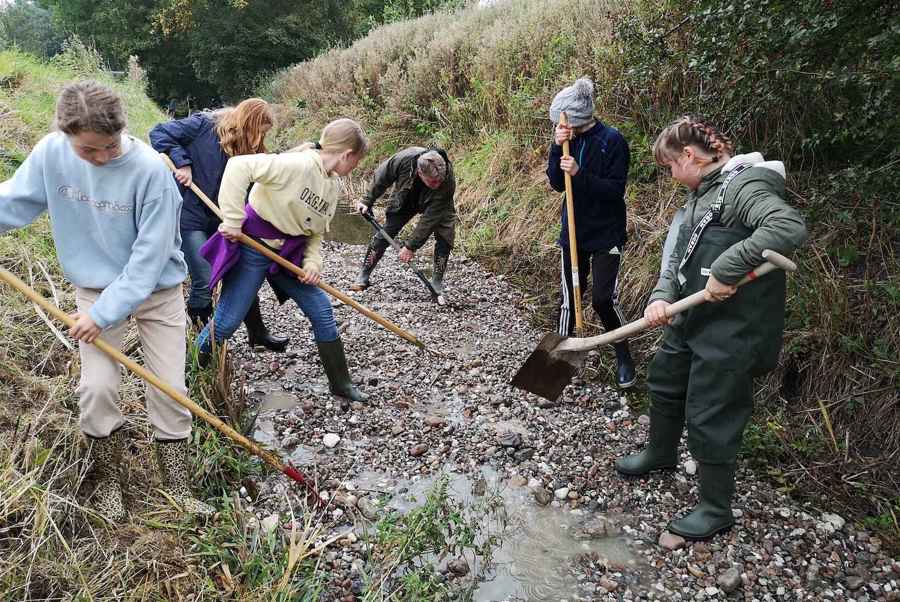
(440, 268)
(171, 456)
(257, 333)
(199, 316)
(373, 255)
(625, 376)
(661, 452)
(106, 456)
(713, 513)
(335, 362)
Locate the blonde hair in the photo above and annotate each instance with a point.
(89, 106)
(690, 130)
(432, 165)
(338, 136)
(242, 129)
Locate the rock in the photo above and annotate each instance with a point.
(854, 582)
(730, 580)
(523, 454)
(518, 481)
(670, 541)
(367, 508)
(608, 584)
(542, 496)
(397, 429)
(458, 567)
(642, 419)
(509, 439)
(690, 467)
(269, 523)
(561, 493)
(418, 449)
(836, 521)
(435, 421)
(331, 439)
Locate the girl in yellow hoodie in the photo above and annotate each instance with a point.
(292, 202)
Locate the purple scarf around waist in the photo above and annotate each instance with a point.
(222, 253)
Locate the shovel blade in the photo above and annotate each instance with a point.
(545, 372)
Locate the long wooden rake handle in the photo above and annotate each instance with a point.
(182, 400)
(573, 247)
(774, 261)
(284, 263)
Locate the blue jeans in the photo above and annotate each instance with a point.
(199, 269)
(239, 288)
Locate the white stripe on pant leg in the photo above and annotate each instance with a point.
(562, 328)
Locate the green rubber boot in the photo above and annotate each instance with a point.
(335, 362)
(713, 513)
(661, 452)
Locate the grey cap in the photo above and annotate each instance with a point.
(577, 101)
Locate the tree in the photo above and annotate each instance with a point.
(30, 28)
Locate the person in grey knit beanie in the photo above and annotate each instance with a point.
(577, 101)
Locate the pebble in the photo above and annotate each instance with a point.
(331, 439)
(459, 567)
(418, 449)
(690, 467)
(542, 496)
(670, 541)
(730, 580)
(561, 493)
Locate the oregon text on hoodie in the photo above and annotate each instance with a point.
(115, 226)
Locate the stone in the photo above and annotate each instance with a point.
(608, 584)
(434, 421)
(561, 493)
(834, 520)
(269, 523)
(458, 567)
(542, 496)
(730, 580)
(367, 508)
(418, 449)
(690, 467)
(670, 541)
(518, 481)
(854, 582)
(331, 439)
(643, 419)
(510, 439)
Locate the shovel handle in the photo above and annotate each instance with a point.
(573, 247)
(287, 265)
(774, 261)
(181, 399)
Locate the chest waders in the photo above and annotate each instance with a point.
(703, 373)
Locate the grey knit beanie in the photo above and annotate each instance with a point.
(577, 101)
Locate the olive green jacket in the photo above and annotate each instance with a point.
(436, 206)
(754, 199)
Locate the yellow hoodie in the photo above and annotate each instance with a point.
(292, 191)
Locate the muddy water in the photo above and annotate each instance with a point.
(539, 545)
(349, 227)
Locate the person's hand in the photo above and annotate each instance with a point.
(85, 329)
(655, 314)
(716, 291)
(406, 255)
(230, 232)
(563, 133)
(568, 165)
(184, 175)
(361, 208)
(311, 276)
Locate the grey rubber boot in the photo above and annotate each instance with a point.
(171, 456)
(661, 452)
(713, 513)
(441, 259)
(335, 362)
(373, 255)
(106, 456)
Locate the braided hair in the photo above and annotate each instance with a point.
(691, 130)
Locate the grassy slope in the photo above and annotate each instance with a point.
(479, 83)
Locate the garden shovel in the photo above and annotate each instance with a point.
(435, 296)
(553, 363)
(573, 248)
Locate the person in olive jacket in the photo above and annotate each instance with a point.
(423, 183)
(703, 372)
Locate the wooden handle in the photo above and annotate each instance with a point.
(268, 457)
(573, 247)
(775, 262)
(261, 248)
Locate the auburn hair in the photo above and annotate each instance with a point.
(242, 129)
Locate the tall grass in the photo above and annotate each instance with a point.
(479, 82)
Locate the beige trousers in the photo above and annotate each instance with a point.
(161, 327)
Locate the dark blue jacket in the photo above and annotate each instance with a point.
(193, 141)
(598, 189)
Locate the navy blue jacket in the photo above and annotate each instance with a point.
(193, 141)
(598, 189)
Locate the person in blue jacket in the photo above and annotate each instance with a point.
(598, 166)
(200, 146)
